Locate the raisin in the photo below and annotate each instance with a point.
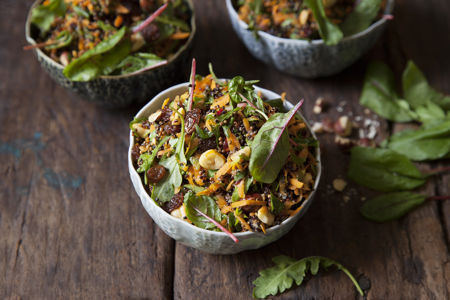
(192, 118)
(150, 33)
(156, 173)
(206, 144)
(165, 115)
(135, 153)
(174, 203)
(171, 129)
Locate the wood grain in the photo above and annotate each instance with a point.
(71, 225)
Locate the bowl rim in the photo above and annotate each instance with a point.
(59, 66)
(388, 10)
(245, 234)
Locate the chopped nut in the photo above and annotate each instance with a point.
(317, 127)
(344, 144)
(211, 160)
(319, 106)
(339, 184)
(265, 215)
(155, 116)
(303, 18)
(343, 126)
(64, 58)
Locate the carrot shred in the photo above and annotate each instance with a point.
(223, 170)
(179, 36)
(221, 102)
(210, 190)
(247, 202)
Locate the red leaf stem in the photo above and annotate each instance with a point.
(217, 224)
(192, 87)
(150, 19)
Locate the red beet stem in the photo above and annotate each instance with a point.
(218, 225)
(192, 87)
(150, 19)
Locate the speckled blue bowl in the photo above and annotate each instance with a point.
(308, 59)
(205, 240)
(121, 90)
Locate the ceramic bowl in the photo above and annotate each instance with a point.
(190, 235)
(307, 59)
(120, 90)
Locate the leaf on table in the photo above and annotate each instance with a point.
(281, 277)
(379, 94)
(430, 112)
(100, 60)
(43, 15)
(430, 141)
(391, 206)
(329, 32)
(206, 205)
(361, 17)
(418, 92)
(383, 170)
(165, 189)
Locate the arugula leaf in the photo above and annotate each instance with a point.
(147, 159)
(100, 60)
(138, 61)
(43, 15)
(164, 190)
(195, 188)
(388, 207)
(279, 278)
(379, 94)
(430, 112)
(430, 141)
(417, 90)
(205, 204)
(383, 170)
(270, 147)
(361, 17)
(63, 39)
(330, 33)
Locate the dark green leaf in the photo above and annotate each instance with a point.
(430, 112)
(202, 134)
(417, 90)
(138, 61)
(63, 39)
(361, 17)
(330, 33)
(205, 204)
(388, 207)
(379, 94)
(430, 141)
(275, 204)
(383, 170)
(100, 60)
(265, 146)
(43, 15)
(164, 190)
(277, 279)
(278, 103)
(180, 144)
(174, 22)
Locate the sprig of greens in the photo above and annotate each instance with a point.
(281, 277)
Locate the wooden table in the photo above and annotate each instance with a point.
(71, 225)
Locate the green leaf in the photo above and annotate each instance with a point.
(388, 207)
(275, 204)
(379, 94)
(63, 39)
(277, 103)
(417, 90)
(147, 159)
(43, 15)
(383, 170)
(430, 112)
(174, 22)
(138, 61)
(180, 144)
(206, 205)
(272, 143)
(361, 17)
(330, 33)
(100, 60)
(430, 141)
(279, 278)
(164, 190)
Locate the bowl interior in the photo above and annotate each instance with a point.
(179, 89)
(31, 31)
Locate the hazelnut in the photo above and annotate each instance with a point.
(319, 106)
(64, 58)
(343, 126)
(344, 144)
(339, 184)
(317, 127)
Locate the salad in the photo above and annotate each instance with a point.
(93, 38)
(329, 20)
(221, 158)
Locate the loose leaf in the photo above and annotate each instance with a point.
(270, 147)
(277, 279)
(206, 205)
(430, 112)
(164, 190)
(330, 33)
(431, 141)
(43, 15)
(100, 60)
(361, 17)
(417, 90)
(379, 94)
(388, 207)
(383, 170)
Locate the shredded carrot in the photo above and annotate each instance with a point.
(210, 190)
(247, 202)
(246, 124)
(118, 21)
(223, 170)
(296, 183)
(233, 142)
(244, 223)
(263, 228)
(221, 102)
(165, 102)
(179, 36)
(226, 209)
(230, 185)
(294, 212)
